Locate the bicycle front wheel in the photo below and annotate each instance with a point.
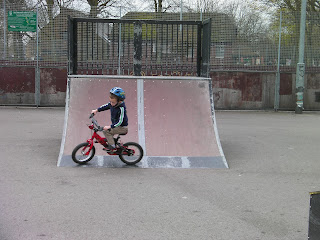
(82, 154)
(132, 153)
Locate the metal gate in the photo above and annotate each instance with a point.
(138, 47)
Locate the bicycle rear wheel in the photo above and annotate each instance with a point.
(131, 154)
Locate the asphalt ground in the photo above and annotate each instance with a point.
(264, 195)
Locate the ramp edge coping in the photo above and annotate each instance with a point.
(141, 77)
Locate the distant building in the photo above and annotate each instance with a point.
(223, 34)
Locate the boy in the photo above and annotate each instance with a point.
(119, 119)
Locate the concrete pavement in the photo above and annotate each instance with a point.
(273, 160)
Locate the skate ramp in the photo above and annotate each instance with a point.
(172, 118)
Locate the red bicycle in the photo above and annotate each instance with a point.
(130, 153)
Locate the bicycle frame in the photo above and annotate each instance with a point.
(97, 137)
(85, 151)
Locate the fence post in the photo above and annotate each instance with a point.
(4, 31)
(70, 49)
(72, 46)
(206, 43)
(37, 73)
(277, 82)
(137, 48)
(120, 46)
(199, 47)
(301, 66)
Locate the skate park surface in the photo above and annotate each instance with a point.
(273, 163)
(172, 118)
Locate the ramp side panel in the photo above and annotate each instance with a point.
(87, 94)
(178, 118)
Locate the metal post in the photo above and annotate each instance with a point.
(277, 82)
(206, 44)
(37, 77)
(199, 48)
(4, 31)
(180, 15)
(301, 66)
(69, 46)
(137, 48)
(72, 46)
(120, 46)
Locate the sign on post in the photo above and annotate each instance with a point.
(22, 21)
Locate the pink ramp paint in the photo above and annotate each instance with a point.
(172, 118)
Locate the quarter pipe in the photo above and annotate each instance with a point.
(172, 118)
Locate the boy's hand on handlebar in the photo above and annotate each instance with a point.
(94, 112)
(106, 128)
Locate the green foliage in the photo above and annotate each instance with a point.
(291, 13)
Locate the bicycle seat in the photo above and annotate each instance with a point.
(122, 134)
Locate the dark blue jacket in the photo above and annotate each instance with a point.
(118, 114)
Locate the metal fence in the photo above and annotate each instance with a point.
(233, 47)
(20, 48)
(139, 47)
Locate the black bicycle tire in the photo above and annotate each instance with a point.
(136, 161)
(93, 152)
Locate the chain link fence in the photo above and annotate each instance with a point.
(20, 48)
(33, 67)
(290, 30)
(233, 47)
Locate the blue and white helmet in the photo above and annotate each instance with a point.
(118, 92)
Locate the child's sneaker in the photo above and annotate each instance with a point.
(110, 148)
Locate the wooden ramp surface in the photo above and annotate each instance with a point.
(172, 118)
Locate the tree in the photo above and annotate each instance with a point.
(292, 5)
(163, 6)
(97, 6)
(252, 30)
(209, 6)
(291, 27)
(107, 8)
(157, 5)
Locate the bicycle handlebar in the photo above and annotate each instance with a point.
(94, 121)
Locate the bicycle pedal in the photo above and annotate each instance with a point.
(110, 150)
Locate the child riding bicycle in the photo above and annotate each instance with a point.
(119, 118)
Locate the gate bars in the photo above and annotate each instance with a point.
(138, 47)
